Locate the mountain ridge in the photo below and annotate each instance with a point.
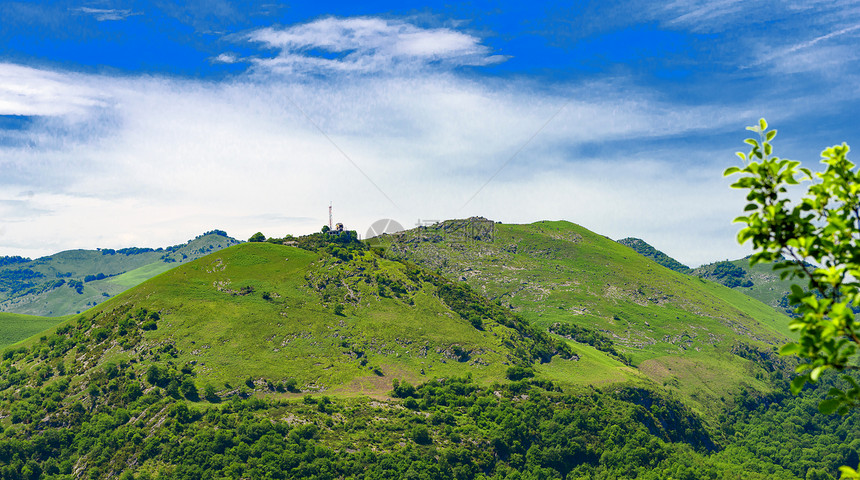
(71, 281)
(343, 359)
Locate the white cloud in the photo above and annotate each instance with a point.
(30, 91)
(828, 53)
(775, 37)
(152, 161)
(704, 15)
(365, 45)
(226, 58)
(108, 14)
(181, 156)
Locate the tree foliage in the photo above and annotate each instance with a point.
(815, 238)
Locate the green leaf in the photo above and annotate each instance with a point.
(796, 290)
(828, 406)
(848, 473)
(762, 124)
(770, 135)
(816, 372)
(730, 171)
(790, 349)
(797, 384)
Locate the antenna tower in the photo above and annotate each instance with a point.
(329, 216)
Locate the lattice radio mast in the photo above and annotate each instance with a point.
(330, 226)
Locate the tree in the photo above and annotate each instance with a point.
(815, 238)
(257, 237)
(189, 389)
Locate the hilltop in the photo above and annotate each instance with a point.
(70, 282)
(758, 281)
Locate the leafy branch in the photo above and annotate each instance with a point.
(815, 237)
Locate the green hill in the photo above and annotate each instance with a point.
(676, 330)
(758, 281)
(277, 313)
(72, 281)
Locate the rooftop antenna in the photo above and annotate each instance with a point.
(329, 216)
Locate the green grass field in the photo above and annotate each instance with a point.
(15, 327)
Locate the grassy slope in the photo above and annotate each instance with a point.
(678, 330)
(558, 272)
(295, 334)
(15, 327)
(766, 284)
(123, 271)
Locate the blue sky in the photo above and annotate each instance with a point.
(146, 123)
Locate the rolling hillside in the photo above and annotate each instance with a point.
(15, 327)
(691, 335)
(341, 361)
(759, 281)
(72, 281)
(273, 313)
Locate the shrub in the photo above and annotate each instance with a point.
(188, 389)
(421, 435)
(518, 372)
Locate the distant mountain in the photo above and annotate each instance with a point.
(72, 281)
(760, 281)
(643, 248)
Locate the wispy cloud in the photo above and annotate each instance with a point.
(108, 14)
(30, 91)
(186, 156)
(226, 58)
(823, 53)
(766, 39)
(365, 45)
(703, 15)
(262, 152)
